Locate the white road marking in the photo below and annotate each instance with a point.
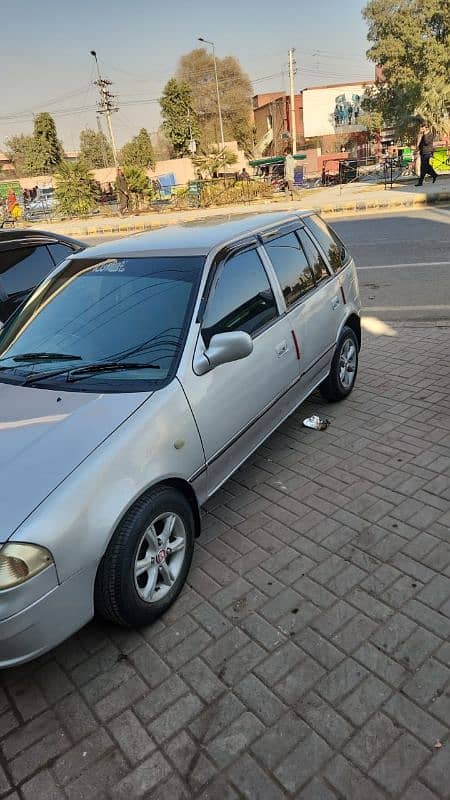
(407, 266)
(406, 308)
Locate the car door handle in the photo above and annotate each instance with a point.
(282, 348)
(335, 302)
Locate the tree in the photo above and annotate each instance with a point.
(180, 123)
(19, 150)
(95, 149)
(138, 184)
(48, 150)
(162, 147)
(213, 160)
(411, 43)
(76, 191)
(138, 152)
(235, 89)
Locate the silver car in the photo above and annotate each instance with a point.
(133, 382)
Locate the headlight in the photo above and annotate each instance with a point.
(19, 562)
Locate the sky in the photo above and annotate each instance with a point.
(47, 66)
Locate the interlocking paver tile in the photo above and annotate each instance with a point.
(252, 782)
(42, 785)
(367, 697)
(369, 743)
(259, 699)
(316, 790)
(351, 782)
(131, 736)
(415, 719)
(319, 648)
(97, 779)
(300, 765)
(299, 680)
(236, 738)
(142, 780)
(341, 680)
(280, 739)
(390, 636)
(202, 679)
(265, 634)
(427, 682)
(383, 666)
(216, 716)
(176, 717)
(400, 763)
(324, 719)
(437, 772)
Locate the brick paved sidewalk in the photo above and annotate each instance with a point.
(309, 658)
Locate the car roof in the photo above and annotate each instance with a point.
(190, 239)
(9, 235)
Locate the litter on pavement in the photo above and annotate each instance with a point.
(316, 422)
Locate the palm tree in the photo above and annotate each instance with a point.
(212, 160)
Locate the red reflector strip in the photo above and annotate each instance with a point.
(297, 349)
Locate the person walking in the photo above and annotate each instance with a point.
(123, 195)
(426, 150)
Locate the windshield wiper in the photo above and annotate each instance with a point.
(45, 357)
(106, 366)
(78, 373)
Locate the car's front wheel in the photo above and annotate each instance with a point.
(147, 560)
(344, 368)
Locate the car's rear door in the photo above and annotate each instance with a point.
(312, 297)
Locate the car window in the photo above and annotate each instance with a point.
(22, 268)
(130, 309)
(328, 240)
(241, 297)
(318, 266)
(291, 266)
(60, 252)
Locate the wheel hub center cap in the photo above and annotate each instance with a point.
(161, 556)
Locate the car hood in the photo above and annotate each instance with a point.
(44, 436)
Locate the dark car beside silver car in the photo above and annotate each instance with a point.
(27, 256)
(133, 382)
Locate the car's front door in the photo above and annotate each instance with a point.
(237, 404)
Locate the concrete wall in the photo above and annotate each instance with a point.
(182, 168)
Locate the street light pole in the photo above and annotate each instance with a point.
(205, 41)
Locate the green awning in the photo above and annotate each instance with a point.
(262, 162)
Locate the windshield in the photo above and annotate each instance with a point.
(130, 311)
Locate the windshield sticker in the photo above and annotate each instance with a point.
(112, 265)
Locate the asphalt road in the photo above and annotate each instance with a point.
(403, 262)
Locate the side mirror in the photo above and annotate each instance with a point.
(223, 348)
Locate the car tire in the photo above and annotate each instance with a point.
(344, 368)
(147, 560)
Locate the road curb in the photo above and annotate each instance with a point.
(327, 209)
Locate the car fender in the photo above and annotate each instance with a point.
(160, 441)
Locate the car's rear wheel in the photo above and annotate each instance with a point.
(344, 368)
(147, 560)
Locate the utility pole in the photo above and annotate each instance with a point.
(107, 105)
(291, 83)
(102, 142)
